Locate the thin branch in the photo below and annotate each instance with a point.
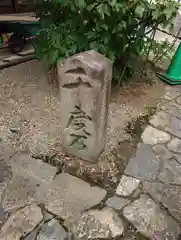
(149, 49)
(151, 38)
(173, 43)
(122, 75)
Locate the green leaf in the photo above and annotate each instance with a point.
(91, 35)
(156, 14)
(102, 49)
(114, 30)
(119, 26)
(91, 6)
(110, 26)
(93, 45)
(103, 9)
(81, 3)
(139, 11)
(112, 55)
(54, 56)
(73, 49)
(113, 3)
(168, 13)
(105, 27)
(105, 39)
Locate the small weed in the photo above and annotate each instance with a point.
(150, 110)
(136, 127)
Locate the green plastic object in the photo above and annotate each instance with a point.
(1, 40)
(173, 75)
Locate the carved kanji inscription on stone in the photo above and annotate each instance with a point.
(78, 122)
(85, 82)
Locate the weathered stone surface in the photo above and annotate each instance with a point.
(85, 82)
(162, 152)
(52, 231)
(172, 93)
(2, 215)
(6, 151)
(21, 223)
(170, 172)
(21, 191)
(32, 235)
(3, 186)
(178, 100)
(167, 97)
(177, 87)
(47, 216)
(175, 127)
(168, 195)
(131, 234)
(23, 162)
(117, 203)
(137, 193)
(160, 120)
(144, 165)
(154, 136)
(173, 109)
(39, 148)
(177, 157)
(127, 186)
(150, 220)
(175, 145)
(96, 224)
(5, 172)
(67, 196)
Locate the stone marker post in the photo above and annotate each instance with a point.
(85, 83)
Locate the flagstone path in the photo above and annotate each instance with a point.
(38, 202)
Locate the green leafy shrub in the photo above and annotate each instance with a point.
(115, 28)
(162, 50)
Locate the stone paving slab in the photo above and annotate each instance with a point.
(175, 145)
(154, 136)
(2, 190)
(150, 220)
(173, 109)
(148, 194)
(20, 192)
(172, 92)
(96, 224)
(178, 100)
(177, 157)
(170, 172)
(68, 196)
(5, 172)
(6, 151)
(21, 222)
(175, 127)
(52, 231)
(145, 165)
(127, 186)
(162, 152)
(2, 215)
(117, 203)
(162, 171)
(168, 195)
(32, 235)
(23, 162)
(160, 120)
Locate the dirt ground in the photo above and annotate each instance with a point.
(30, 120)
